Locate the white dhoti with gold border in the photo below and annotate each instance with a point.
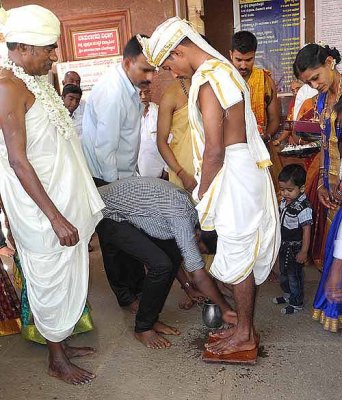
(240, 204)
(245, 219)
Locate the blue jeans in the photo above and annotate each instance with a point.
(291, 272)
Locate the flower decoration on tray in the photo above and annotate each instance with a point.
(301, 150)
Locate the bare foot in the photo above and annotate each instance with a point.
(160, 327)
(133, 307)
(64, 370)
(72, 352)
(186, 303)
(230, 317)
(233, 344)
(152, 340)
(6, 251)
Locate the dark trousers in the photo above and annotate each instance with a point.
(162, 259)
(291, 272)
(125, 274)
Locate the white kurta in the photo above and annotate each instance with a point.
(56, 276)
(150, 162)
(240, 202)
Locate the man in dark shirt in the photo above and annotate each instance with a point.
(154, 221)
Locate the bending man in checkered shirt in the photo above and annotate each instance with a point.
(154, 221)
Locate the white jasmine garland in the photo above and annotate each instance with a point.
(46, 94)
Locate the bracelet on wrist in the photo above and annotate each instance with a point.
(186, 285)
(319, 186)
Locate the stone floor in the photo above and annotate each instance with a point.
(298, 360)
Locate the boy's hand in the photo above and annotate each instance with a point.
(301, 257)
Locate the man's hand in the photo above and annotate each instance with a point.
(66, 232)
(301, 257)
(188, 181)
(194, 294)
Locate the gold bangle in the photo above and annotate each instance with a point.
(319, 186)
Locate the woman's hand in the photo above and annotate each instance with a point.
(324, 198)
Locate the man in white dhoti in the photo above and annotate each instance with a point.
(235, 194)
(49, 196)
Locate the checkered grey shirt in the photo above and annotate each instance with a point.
(157, 207)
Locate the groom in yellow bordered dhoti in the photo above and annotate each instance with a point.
(235, 193)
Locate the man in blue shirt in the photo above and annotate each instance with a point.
(111, 139)
(112, 117)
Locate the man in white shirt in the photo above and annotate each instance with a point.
(150, 162)
(112, 117)
(110, 140)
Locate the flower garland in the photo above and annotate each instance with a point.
(45, 93)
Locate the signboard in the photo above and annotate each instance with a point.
(95, 35)
(89, 70)
(97, 43)
(328, 15)
(277, 27)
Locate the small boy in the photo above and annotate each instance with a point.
(295, 221)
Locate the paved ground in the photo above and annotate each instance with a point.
(298, 359)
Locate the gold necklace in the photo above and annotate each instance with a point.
(328, 110)
(185, 91)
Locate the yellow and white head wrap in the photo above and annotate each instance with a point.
(167, 37)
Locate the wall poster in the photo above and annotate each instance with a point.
(89, 70)
(328, 14)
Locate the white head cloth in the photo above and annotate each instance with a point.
(167, 37)
(32, 24)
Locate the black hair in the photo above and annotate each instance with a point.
(12, 45)
(209, 238)
(294, 173)
(133, 48)
(312, 56)
(71, 89)
(244, 42)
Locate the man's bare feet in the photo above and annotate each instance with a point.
(133, 307)
(160, 327)
(61, 368)
(6, 251)
(72, 352)
(233, 344)
(186, 303)
(223, 333)
(152, 340)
